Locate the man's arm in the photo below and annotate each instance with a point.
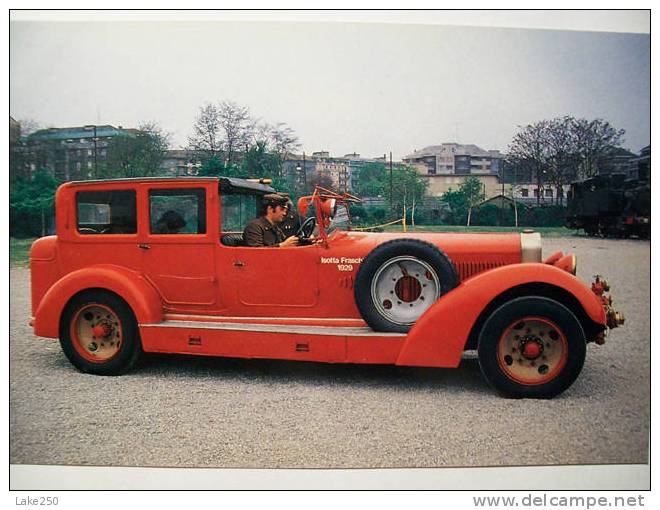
(289, 241)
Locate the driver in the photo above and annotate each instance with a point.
(265, 230)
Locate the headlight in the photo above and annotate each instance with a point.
(530, 246)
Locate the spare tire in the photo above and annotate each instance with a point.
(399, 280)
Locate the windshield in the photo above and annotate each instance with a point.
(341, 219)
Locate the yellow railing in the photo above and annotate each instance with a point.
(400, 220)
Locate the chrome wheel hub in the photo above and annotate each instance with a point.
(403, 288)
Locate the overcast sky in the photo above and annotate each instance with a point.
(343, 87)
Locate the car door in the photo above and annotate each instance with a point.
(276, 277)
(266, 280)
(177, 245)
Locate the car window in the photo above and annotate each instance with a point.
(237, 211)
(177, 211)
(106, 212)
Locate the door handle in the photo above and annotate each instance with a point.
(239, 263)
(144, 246)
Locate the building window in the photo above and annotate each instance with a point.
(536, 192)
(548, 193)
(524, 192)
(89, 164)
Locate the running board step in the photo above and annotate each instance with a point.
(274, 328)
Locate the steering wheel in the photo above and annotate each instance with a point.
(306, 230)
(90, 230)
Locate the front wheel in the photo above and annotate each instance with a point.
(531, 347)
(99, 334)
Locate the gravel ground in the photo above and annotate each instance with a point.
(178, 411)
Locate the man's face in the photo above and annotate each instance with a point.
(279, 212)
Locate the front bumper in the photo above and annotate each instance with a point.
(614, 317)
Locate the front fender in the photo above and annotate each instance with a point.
(130, 285)
(438, 338)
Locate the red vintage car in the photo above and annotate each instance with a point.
(116, 281)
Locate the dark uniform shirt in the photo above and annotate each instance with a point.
(260, 232)
(290, 224)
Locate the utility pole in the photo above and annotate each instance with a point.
(96, 161)
(513, 194)
(502, 181)
(391, 186)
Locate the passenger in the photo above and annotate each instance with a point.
(171, 222)
(265, 230)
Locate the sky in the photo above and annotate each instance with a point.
(369, 88)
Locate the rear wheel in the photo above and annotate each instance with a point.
(532, 347)
(99, 334)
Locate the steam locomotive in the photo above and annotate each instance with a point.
(611, 206)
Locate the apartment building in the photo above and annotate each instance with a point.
(455, 158)
(180, 162)
(447, 165)
(71, 153)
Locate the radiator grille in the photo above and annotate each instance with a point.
(468, 269)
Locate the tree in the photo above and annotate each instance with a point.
(283, 140)
(29, 126)
(372, 180)
(136, 154)
(561, 154)
(206, 139)
(31, 203)
(258, 162)
(277, 139)
(236, 127)
(560, 149)
(408, 188)
(473, 191)
(228, 131)
(215, 166)
(457, 206)
(470, 193)
(529, 149)
(595, 140)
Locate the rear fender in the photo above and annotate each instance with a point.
(129, 285)
(439, 337)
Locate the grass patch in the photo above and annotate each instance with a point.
(544, 231)
(19, 251)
